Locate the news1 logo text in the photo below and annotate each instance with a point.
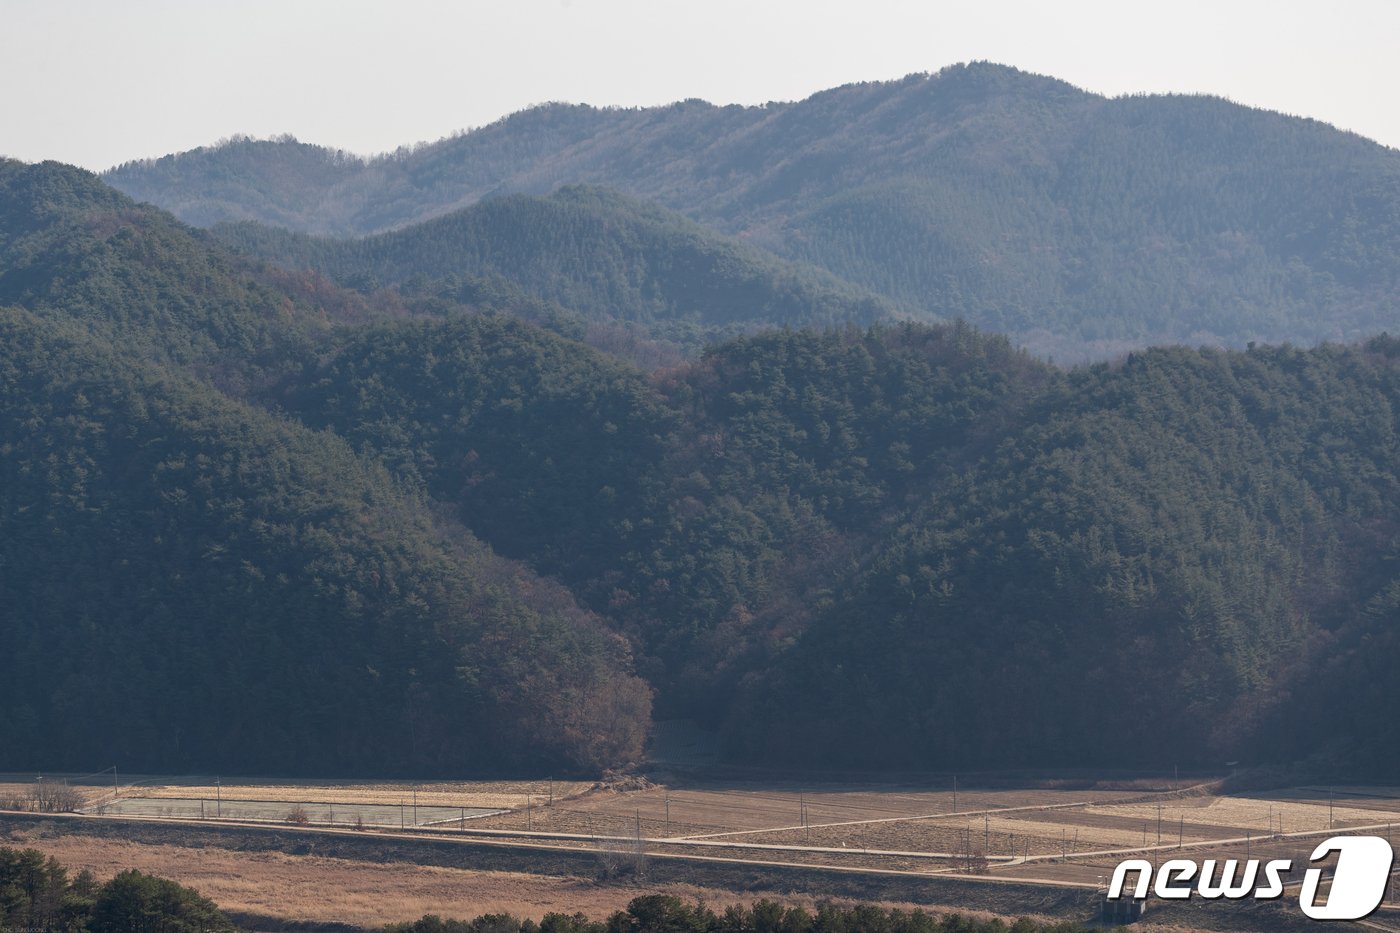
(1358, 882)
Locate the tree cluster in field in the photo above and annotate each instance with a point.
(41, 797)
(1080, 224)
(251, 520)
(662, 913)
(36, 893)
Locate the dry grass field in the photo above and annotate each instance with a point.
(483, 794)
(470, 794)
(311, 888)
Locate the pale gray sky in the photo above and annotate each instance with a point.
(97, 82)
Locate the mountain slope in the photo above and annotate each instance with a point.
(1149, 559)
(869, 549)
(72, 248)
(189, 581)
(1075, 223)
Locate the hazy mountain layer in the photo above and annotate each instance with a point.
(1077, 224)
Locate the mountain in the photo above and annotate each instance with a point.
(1077, 224)
(191, 581)
(601, 255)
(252, 519)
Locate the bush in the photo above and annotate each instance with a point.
(136, 903)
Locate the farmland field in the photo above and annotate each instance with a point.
(1045, 821)
(1065, 834)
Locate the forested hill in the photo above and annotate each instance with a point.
(914, 546)
(190, 582)
(601, 255)
(1077, 224)
(251, 520)
(71, 248)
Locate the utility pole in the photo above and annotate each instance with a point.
(415, 805)
(219, 797)
(529, 815)
(1329, 808)
(116, 790)
(955, 793)
(1159, 824)
(401, 823)
(986, 834)
(668, 813)
(1390, 880)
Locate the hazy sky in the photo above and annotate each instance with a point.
(97, 82)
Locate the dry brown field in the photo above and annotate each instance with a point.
(488, 794)
(311, 888)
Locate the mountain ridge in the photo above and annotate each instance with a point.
(1080, 225)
